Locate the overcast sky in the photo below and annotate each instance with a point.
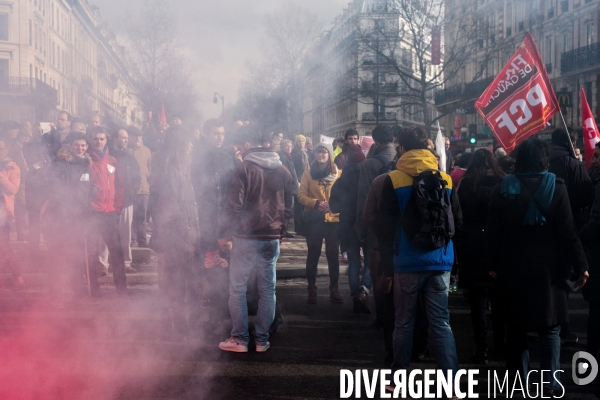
(220, 34)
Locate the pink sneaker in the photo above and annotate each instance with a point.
(232, 344)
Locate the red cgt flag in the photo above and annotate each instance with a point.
(520, 100)
(590, 129)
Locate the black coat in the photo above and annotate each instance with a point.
(70, 192)
(211, 173)
(532, 262)
(344, 195)
(131, 174)
(590, 237)
(471, 241)
(579, 185)
(175, 214)
(289, 164)
(298, 164)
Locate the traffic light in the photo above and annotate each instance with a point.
(473, 140)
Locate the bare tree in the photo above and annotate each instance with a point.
(394, 52)
(275, 83)
(165, 73)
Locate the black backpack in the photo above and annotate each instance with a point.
(428, 221)
(388, 166)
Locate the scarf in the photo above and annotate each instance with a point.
(511, 187)
(354, 154)
(101, 153)
(324, 175)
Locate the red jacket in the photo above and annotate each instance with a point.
(10, 178)
(109, 186)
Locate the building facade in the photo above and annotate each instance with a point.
(355, 82)
(566, 33)
(58, 55)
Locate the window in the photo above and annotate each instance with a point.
(36, 72)
(565, 42)
(589, 33)
(30, 33)
(588, 89)
(44, 42)
(52, 15)
(3, 70)
(35, 37)
(30, 71)
(564, 6)
(3, 26)
(548, 53)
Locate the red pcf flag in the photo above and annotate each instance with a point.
(590, 129)
(520, 100)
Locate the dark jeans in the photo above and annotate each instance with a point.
(6, 252)
(178, 280)
(34, 207)
(21, 214)
(420, 333)
(66, 259)
(593, 329)
(314, 241)
(298, 226)
(140, 214)
(352, 245)
(549, 349)
(106, 225)
(430, 288)
(478, 299)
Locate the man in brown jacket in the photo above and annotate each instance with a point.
(140, 207)
(258, 204)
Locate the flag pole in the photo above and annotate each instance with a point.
(567, 132)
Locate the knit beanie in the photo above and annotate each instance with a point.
(326, 145)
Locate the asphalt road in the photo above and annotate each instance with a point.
(113, 349)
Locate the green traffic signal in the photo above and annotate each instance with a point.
(473, 140)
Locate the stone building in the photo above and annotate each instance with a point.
(59, 55)
(354, 82)
(566, 33)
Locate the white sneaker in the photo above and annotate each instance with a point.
(263, 348)
(232, 344)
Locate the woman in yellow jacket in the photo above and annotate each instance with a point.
(320, 223)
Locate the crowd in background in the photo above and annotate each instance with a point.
(220, 199)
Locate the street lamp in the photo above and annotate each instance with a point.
(216, 100)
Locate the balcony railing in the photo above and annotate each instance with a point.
(29, 86)
(370, 116)
(462, 92)
(381, 87)
(580, 58)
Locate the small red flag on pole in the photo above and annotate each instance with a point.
(163, 116)
(590, 129)
(520, 101)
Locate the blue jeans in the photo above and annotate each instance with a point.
(246, 255)
(432, 286)
(518, 352)
(352, 245)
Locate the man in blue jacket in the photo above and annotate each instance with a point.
(417, 272)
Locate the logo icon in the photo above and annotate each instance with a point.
(584, 364)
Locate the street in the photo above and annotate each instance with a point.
(112, 349)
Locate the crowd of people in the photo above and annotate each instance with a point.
(513, 230)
